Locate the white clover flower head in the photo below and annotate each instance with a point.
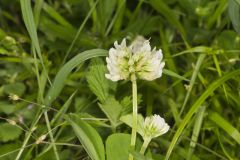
(117, 62)
(134, 61)
(154, 126)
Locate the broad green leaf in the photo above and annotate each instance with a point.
(213, 86)
(7, 108)
(14, 88)
(225, 125)
(118, 146)
(62, 74)
(126, 103)
(97, 82)
(128, 119)
(112, 109)
(88, 136)
(6, 151)
(9, 132)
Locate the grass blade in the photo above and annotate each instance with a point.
(63, 110)
(56, 16)
(198, 49)
(161, 7)
(89, 138)
(196, 131)
(193, 79)
(58, 82)
(31, 27)
(213, 86)
(225, 125)
(79, 31)
(233, 11)
(173, 74)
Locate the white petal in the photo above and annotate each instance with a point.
(123, 44)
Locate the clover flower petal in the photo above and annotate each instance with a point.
(154, 126)
(137, 59)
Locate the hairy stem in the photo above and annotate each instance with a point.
(135, 112)
(145, 145)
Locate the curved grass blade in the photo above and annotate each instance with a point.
(89, 138)
(233, 11)
(193, 79)
(217, 13)
(79, 31)
(161, 7)
(198, 49)
(173, 74)
(196, 131)
(225, 125)
(31, 28)
(62, 74)
(63, 110)
(56, 16)
(213, 86)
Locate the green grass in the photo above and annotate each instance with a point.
(52, 55)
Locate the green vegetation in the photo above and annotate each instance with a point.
(55, 102)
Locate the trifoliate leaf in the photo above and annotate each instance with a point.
(112, 109)
(14, 88)
(126, 103)
(6, 108)
(97, 82)
(9, 132)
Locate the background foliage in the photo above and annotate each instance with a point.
(44, 52)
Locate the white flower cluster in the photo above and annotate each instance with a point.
(150, 127)
(154, 126)
(134, 61)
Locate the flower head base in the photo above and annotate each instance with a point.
(154, 126)
(134, 61)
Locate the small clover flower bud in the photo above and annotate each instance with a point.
(154, 126)
(14, 97)
(136, 60)
(12, 122)
(40, 139)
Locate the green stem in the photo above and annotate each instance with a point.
(144, 146)
(51, 135)
(28, 135)
(135, 112)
